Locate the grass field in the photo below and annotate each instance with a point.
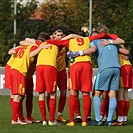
(6, 127)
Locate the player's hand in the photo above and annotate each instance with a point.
(73, 54)
(104, 42)
(46, 46)
(125, 57)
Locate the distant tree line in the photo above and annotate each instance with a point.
(72, 15)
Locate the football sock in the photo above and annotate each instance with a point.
(97, 106)
(52, 107)
(71, 106)
(77, 108)
(61, 103)
(29, 106)
(86, 105)
(126, 108)
(41, 104)
(120, 108)
(104, 107)
(20, 114)
(112, 107)
(48, 98)
(15, 110)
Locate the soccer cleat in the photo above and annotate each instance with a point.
(22, 122)
(15, 122)
(117, 123)
(89, 120)
(124, 123)
(44, 123)
(70, 124)
(84, 124)
(60, 118)
(96, 123)
(77, 120)
(52, 123)
(107, 123)
(32, 120)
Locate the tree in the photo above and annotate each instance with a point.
(7, 38)
(71, 15)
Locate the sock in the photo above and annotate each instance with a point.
(29, 106)
(104, 107)
(112, 107)
(120, 118)
(97, 106)
(41, 104)
(20, 114)
(52, 107)
(48, 98)
(11, 100)
(15, 110)
(77, 108)
(89, 113)
(126, 107)
(71, 107)
(124, 118)
(120, 108)
(86, 106)
(61, 103)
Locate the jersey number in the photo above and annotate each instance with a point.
(80, 41)
(21, 52)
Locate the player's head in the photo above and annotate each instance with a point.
(43, 36)
(57, 33)
(94, 33)
(102, 28)
(81, 33)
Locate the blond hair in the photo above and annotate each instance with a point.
(102, 28)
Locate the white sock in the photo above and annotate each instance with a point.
(101, 117)
(78, 117)
(124, 118)
(120, 118)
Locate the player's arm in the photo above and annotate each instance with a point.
(102, 35)
(13, 50)
(32, 40)
(115, 40)
(63, 43)
(125, 52)
(82, 52)
(37, 50)
(71, 36)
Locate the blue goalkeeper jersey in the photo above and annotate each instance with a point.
(107, 56)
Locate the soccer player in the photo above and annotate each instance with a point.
(105, 101)
(7, 75)
(80, 74)
(61, 73)
(123, 103)
(46, 81)
(107, 76)
(19, 71)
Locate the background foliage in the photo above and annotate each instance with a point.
(72, 15)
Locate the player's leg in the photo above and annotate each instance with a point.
(104, 106)
(62, 85)
(77, 110)
(42, 107)
(86, 104)
(71, 106)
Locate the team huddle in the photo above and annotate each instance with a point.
(47, 57)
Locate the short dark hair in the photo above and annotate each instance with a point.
(43, 36)
(81, 33)
(57, 29)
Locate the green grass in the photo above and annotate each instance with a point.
(6, 127)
